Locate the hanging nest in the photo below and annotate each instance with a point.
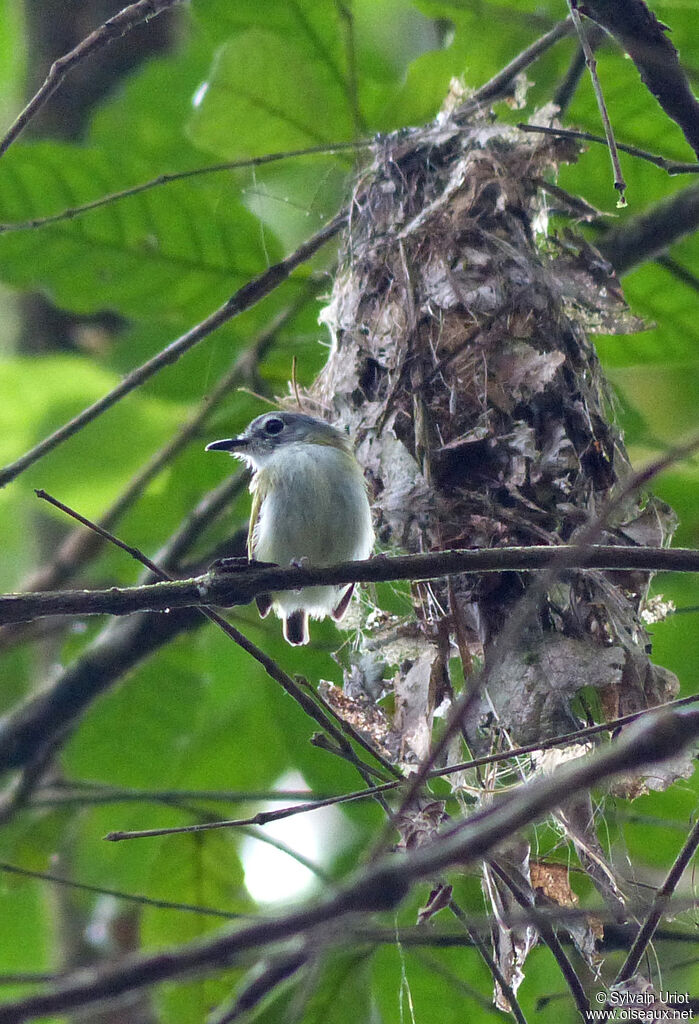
(460, 362)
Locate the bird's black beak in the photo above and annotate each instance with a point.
(230, 444)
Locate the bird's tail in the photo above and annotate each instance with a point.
(296, 627)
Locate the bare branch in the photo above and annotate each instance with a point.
(127, 897)
(652, 231)
(490, 963)
(670, 166)
(112, 29)
(80, 546)
(500, 83)
(566, 90)
(167, 179)
(660, 905)
(293, 688)
(228, 589)
(643, 37)
(590, 61)
(264, 817)
(380, 886)
(46, 715)
(549, 937)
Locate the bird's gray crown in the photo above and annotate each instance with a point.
(272, 430)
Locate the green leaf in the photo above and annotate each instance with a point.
(267, 94)
(60, 387)
(174, 252)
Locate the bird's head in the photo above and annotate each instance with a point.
(272, 432)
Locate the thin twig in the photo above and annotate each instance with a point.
(353, 733)
(261, 818)
(490, 962)
(644, 38)
(550, 938)
(530, 602)
(69, 791)
(659, 906)
(619, 183)
(566, 90)
(379, 886)
(672, 167)
(167, 179)
(276, 970)
(686, 276)
(112, 29)
(265, 817)
(80, 546)
(270, 666)
(500, 83)
(652, 231)
(352, 85)
(246, 297)
(119, 894)
(52, 711)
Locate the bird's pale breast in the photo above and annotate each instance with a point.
(314, 507)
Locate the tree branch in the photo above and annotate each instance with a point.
(246, 297)
(500, 83)
(112, 29)
(167, 179)
(381, 886)
(643, 37)
(105, 794)
(652, 231)
(308, 701)
(590, 61)
(670, 166)
(230, 588)
(660, 904)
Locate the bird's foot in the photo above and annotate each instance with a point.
(239, 564)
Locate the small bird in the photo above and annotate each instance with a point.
(309, 506)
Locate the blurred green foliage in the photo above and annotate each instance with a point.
(246, 79)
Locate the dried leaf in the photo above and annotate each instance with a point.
(415, 704)
(531, 690)
(511, 944)
(439, 898)
(552, 886)
(419, 825)
(364, 716)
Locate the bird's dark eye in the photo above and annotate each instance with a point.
(274, 426)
